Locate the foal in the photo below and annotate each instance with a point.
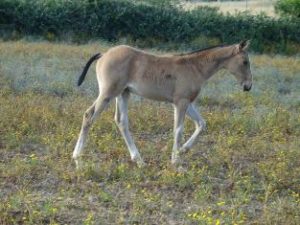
(176, 79)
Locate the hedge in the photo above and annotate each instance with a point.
(288, 7)
(112, 20)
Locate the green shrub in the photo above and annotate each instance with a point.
(156, 2)
(145, 24)
(288, 7)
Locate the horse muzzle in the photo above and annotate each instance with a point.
(247, 87)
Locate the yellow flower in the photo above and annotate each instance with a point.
(220, 203)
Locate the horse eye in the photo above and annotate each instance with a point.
(245, 63)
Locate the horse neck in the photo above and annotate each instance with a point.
(211, 61)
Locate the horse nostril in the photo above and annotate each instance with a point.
(247, 88)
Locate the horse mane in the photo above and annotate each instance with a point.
(201, 50)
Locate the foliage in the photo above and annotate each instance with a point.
(288, 7)
(147, 25)
(221, 0)
(244, 169)
(157, 3)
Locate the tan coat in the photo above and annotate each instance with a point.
(172, 78)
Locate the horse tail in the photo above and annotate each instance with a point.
(86, 68)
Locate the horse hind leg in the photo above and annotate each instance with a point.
(88, 118)
(121, 119)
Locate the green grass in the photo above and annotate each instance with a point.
(244, 170)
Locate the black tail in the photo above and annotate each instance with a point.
(85, 69)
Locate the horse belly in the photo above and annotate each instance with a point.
(152, 91)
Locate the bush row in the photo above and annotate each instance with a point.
(288, 7)
(112, 20)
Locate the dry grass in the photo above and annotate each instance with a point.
(252, 6)
(244, 170)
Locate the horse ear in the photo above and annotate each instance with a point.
(243, 46)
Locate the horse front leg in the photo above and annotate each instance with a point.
(179, 115)
(199, 123)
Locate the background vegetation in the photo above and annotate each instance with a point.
(288, 7)
(244, 170)
(147, 25)
(253, 7)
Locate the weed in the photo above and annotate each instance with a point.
(243, 170)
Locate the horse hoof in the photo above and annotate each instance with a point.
(181, 169)
(184, 150)
(78, 163)
(176, 161)
(141, 163)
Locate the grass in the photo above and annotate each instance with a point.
(244, 170)
(252, 6)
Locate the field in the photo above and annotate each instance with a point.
(244, 169)
(252, 6)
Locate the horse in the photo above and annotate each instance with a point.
(176, 79)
